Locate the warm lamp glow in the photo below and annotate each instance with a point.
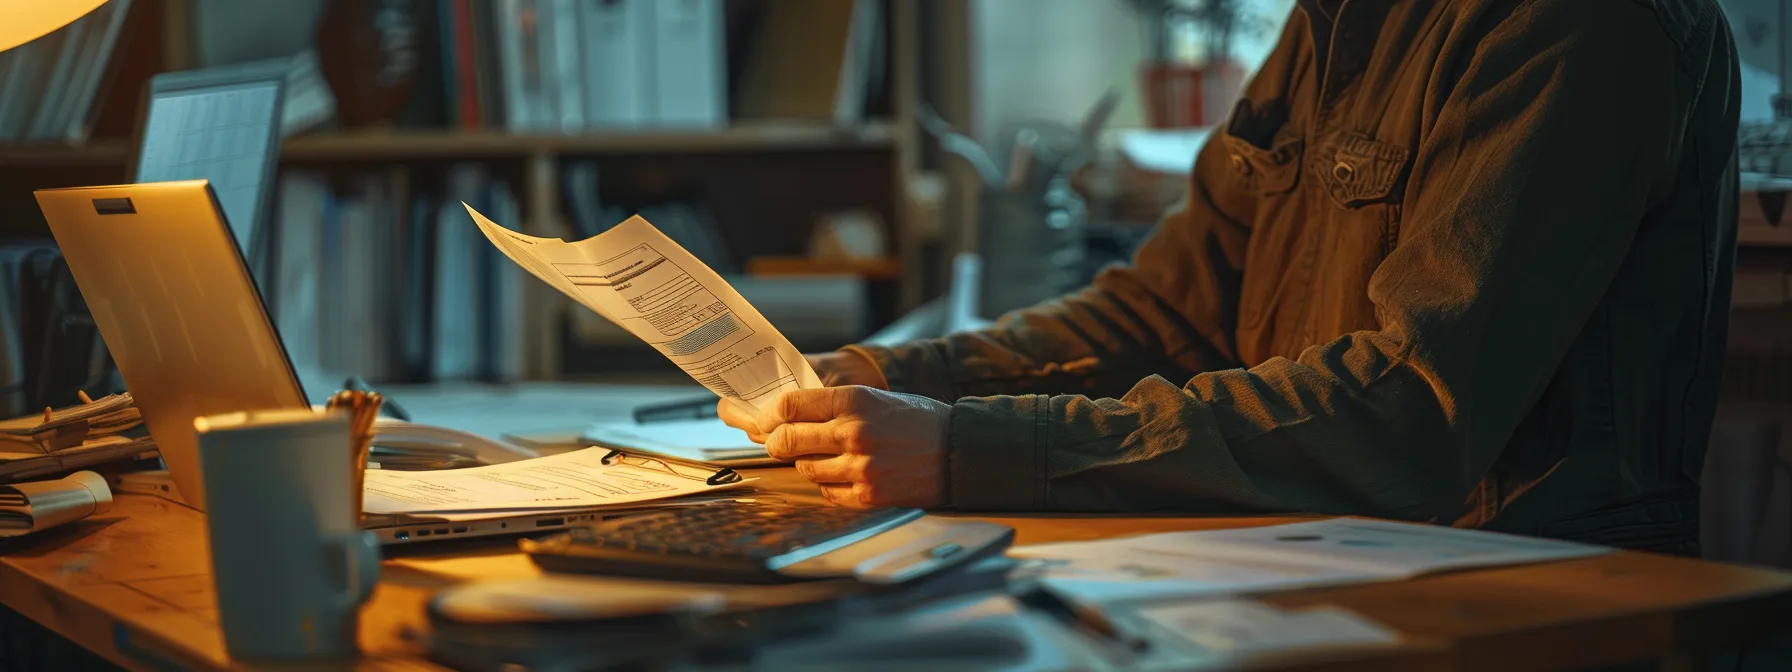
(22, 21)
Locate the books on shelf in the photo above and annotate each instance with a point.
(50, 86)
(813, 60)
(568, 66)
(689, 85)
(615, 61)
(382, 276)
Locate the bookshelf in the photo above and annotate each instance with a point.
(765, 181)
(410, 145)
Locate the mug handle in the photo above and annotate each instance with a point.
(359, 555)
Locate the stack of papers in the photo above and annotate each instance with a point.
(1181, 565)
(69, 427)
(579, 480)
(98, 450)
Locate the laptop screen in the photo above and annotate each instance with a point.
(223, 134)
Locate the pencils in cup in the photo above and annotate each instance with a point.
(362, 409)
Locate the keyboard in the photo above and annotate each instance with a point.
(755, 541)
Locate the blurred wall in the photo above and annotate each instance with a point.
(234, 31)
(1051, 59)
(1755, 25)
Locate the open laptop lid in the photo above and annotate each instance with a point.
(169, 289)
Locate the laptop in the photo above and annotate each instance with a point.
(169, 289)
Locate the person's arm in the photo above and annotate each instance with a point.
(1154, 316)
(1173, 311)
(1523, 199)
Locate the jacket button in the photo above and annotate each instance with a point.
(1343, 171)
(1239, 164)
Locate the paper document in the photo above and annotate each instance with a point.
(578, 479)
(30, 507)
(1223, 633)
(1278, 557)
(1394, 550)
(636, 277)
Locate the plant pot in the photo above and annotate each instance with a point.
(1183, 95)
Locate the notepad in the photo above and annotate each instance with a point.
(703, 439)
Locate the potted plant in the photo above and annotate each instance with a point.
(1190, 75)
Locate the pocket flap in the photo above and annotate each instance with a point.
(1360, 169)
(1263, 151)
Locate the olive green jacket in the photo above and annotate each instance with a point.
(1461, 261)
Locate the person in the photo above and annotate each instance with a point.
(1457, 261)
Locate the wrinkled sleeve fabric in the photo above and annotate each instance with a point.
(1522, 201)
(1172, 311)
(1160, 315)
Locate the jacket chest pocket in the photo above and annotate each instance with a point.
(1263, 149)
(1363, 177)
(1357, 170)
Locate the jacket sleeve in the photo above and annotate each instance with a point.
(1153, 316)
(1523, 199)
(1173, 311)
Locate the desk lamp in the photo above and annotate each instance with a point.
(22, 21)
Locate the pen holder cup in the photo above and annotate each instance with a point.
(362, 410)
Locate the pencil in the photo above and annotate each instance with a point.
(363, 410)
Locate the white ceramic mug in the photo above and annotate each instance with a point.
(289, 560)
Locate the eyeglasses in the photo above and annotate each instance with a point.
(709, 474)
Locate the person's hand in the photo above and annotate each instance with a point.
(836, 369)
(863, 446)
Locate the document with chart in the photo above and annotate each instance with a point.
(636, 277)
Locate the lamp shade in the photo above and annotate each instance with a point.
(22, 21)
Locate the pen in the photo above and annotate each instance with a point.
(679, 409)
(386, 404)
(1084, 616)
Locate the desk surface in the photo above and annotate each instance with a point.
(135, 587)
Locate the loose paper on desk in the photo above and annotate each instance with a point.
(1278, 557)
(636, 277)
(1225, 634)
(578, 479)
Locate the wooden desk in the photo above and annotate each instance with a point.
(134, 586)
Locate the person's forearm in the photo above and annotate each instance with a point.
(1225, 443)
(1161, 315)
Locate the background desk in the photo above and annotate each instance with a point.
(135, 587)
